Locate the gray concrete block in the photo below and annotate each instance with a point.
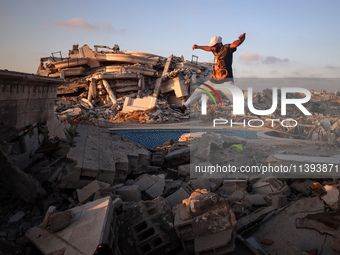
(106, 176)
(178, 157)
(277, 201)
(184, 170)
(219, 243)
(177, 197)
(85, 194)
(236, 196)
(129, 193)
(254, 200)
(16, 217)
(56, 127)
(157, 188)
(230, 186)
(201, 183)
(144, 182)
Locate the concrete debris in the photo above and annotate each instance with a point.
(129, 193)
(122, 82)
(158, 208)
(203, 218)
(16, 217)
(85, 194)
(99, 189)
(60, 220)
(97, 216)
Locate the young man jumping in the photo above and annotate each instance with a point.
(222, 70)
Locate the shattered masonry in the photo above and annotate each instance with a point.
(113, 86)
(110, 74)
(60, 177)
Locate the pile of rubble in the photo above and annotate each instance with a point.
(106, 86)
(127, 81)
(95, 187)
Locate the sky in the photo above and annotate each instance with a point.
(295, 39)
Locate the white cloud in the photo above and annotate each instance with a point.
(275, 60)
(250, 57)
(73, 23)
(78, 23)
(254, 57)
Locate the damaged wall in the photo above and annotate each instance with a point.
(25, 99)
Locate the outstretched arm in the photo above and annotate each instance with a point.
(238, 42)
(206, 48)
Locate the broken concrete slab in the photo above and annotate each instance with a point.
(137, 104)
(244, 223)
(178, 157)
(201, 183)
(98, 216)
(98, 154)
(157, 188)
(285, 230)
(18, 182)
(85, 194)
(254, 200)
(184, 170)
(177, 197)
(129, 193)
(323, 222)
(219, 243)
(277, 201)
(144, 182)
(230, 186)
(57, 127)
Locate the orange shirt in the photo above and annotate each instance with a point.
(222, 63)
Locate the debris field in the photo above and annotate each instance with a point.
(69, 184)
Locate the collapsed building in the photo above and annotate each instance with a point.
(137, 78)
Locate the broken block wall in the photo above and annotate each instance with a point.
(24, 100)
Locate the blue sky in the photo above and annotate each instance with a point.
(298, 38)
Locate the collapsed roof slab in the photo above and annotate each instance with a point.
(70, 62)
(143, 54)
(117, 76)
(95, 219)
(136, 69)
(73, 71)
(125, 58)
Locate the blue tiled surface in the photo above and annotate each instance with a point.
(152, 138)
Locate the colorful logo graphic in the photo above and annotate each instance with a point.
(208, 92)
